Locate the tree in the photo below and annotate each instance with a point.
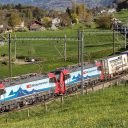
(104, 21)
(47, 21)
(19, 6)
(82, 13)
(14, 19)
(65, 20)
(29, 14)
(80, 10)
(8, 6)
(74, 18)
(38, 13)
(68, 11)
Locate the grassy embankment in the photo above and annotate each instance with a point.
(97, 45)
(122, 16)
(103, 109)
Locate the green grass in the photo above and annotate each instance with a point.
(122, 16)
(96, 43)
(103, 109)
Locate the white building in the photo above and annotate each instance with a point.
(55, 23)
(19, 26)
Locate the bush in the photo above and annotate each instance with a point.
(104, 21)
(3, 54)
(21, 57)
(4, 62)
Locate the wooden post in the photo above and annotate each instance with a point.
(92, 87)
(28, 112)
(117, 83)
(62, 101)
(6, 120)
(126, 82)
(76, 94)
(103, 87)
(45, 106)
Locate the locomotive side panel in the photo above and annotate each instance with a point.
(26, 89)
(88, 73)
(117, 64)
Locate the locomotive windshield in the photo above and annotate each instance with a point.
(57, 73)
(52, 80)
(2, 90)
(67, 76)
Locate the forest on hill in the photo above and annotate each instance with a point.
(61, 5)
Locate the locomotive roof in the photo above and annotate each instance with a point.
(24, 79)
(108, 57)
(73, 68)
(35, 76)
(124, 52)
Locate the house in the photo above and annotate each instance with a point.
(20, 26)
(7, 29)
(2, 42)
(116, 22)
(55, 23)
(1, 28)
(4, 28)
(36, 26)
(110, 11)
(103, 11)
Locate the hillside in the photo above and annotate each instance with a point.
(57, 4)
(103, 109)
(47, 50)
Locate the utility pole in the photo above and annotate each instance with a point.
(125, 32)
(113, 40)
(15, 47)
(117, 32)
(82, 62)
(79, 46)
(9, 50)
(65, 55)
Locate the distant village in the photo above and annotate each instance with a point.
(28, 18)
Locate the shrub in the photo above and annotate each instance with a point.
(104, 21)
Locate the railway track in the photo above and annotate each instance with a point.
(94, 87)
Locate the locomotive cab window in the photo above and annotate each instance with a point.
(2, 91)
(67, 76)
(52, 80)
(99, 68)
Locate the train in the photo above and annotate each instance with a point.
(35, 87)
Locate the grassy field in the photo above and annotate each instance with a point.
(122, 16)
(103, 109)
(96, 43)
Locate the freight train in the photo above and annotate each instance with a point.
(32, 88)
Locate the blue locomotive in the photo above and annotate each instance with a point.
(33, 88)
